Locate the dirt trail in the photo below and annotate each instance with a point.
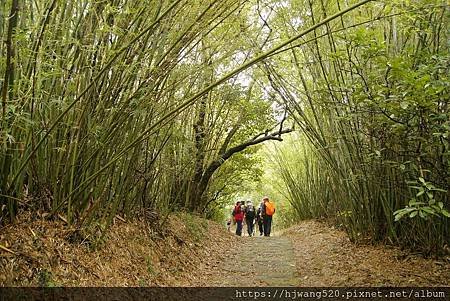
(196, 252)
(315, 254)
(258, 261)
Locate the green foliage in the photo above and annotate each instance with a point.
(371, 97)
(303, 183)
(150, 268)
(142, 283)
(102, 109)
(424, 204)
(196, 227)
(45, 279)
(122, 106)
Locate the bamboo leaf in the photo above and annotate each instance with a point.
(413, 214)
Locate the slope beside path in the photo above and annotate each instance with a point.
(326, 257)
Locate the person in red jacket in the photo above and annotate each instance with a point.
(238, 215)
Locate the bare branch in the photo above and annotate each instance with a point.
(236, 149)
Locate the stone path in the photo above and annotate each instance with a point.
(258, 261)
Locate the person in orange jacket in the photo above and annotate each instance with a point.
(268, 209)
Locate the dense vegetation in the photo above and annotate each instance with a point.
(372, 105)
(114, 106)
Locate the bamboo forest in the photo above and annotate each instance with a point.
(149, 143)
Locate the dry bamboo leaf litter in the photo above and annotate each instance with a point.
(129, 256)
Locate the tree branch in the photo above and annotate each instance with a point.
(227, 140)
(273, 136)
(236, 149)
(215, 197)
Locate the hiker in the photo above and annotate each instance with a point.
(238, 215)
(268, 210)
(250, 215)
(259, 219)
(243, 208)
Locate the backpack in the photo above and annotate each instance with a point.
(270, 208)
(236, 210)
(250, 212)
